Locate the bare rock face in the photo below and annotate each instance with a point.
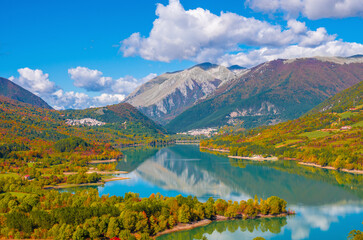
(166, 96)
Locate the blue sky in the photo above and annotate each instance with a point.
(77, 54)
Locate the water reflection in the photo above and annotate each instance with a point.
(324, 222)
(186, 170)
(246, 229)
(328, 204)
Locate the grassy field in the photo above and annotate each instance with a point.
(315, 134)
(288, 142)
(358, 124)
(17, 194)
(9, 175)
(347, 114)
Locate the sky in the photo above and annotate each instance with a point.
(79, 54)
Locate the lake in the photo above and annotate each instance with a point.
(328, 203)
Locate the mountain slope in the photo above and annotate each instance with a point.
(347, 99)
(329, 138)
(119, 116)
(272, 92)
(14, 91)
(24, 123)
(169, 94)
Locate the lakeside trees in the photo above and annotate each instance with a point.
(27, 211)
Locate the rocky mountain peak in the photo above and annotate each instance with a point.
(169, 94)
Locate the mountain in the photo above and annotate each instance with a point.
(330, 135)
(36, 127)
(14, 91)
(123, 116)
(272, 92)
(348, 99)
(166, 96)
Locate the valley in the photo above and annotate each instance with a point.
(181, 120)
(151, 183)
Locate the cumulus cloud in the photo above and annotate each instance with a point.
(91, 80)
(68, 100)
(111, 91)
(312, 9)
(129, 83)
(200, 35)
(254, 57)
(35, 81)
(181, 34)
(107, 99)
(74, 100)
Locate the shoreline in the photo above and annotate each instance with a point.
(216, 150)
(351, 171)
(218, 218)
(84, 184)
(99, 172)
(102, 161)
(259, 159)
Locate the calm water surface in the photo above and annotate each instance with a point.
(328, 204)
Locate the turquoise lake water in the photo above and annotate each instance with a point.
(328, 204)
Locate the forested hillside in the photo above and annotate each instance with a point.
(330, 138)
(14, 91)
(347, 99)
(38, 142)
(122, 116)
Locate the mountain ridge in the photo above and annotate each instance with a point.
(13, 91)
(272, 92)
(169, 94)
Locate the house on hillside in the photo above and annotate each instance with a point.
(27, 177)
(346, 128)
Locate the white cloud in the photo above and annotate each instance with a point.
(35, 81)
(69, 100)
(200, 35)
(75, 100)
(129, 83)
(315, 38)
(181, 34)
(313, 9)
(254, 57)
(108, 99)
(112, 91)
(91, 80)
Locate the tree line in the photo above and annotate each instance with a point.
(27, 211)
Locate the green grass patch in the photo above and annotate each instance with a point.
(17, 194)
(31, 164)
(288, 142)
(348, 114)
(14, 175)
(315, 134)
(358, 124)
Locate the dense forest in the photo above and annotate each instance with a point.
(37, 142)
(27, 211)
(332, 135)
